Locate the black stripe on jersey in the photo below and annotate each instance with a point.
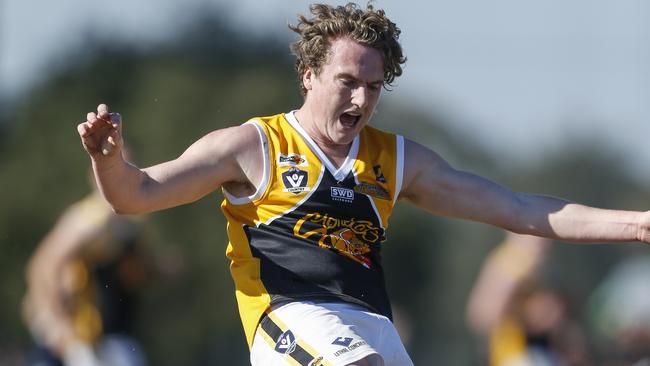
(274, 331)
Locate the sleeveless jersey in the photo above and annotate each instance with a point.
(312, 231)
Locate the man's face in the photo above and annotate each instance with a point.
(344, 95)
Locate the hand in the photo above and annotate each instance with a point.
(101, 134)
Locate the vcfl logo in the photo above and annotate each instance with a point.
(342, 194)
(295, 181)
(286, 343)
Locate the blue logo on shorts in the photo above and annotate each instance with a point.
(342, 341)
(286, 343)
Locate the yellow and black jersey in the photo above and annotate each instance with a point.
(313, 231)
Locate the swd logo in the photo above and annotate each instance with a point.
(342, 194)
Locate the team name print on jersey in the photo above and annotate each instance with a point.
(351, 238)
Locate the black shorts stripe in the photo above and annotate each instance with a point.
(299, 354)
(269, 326)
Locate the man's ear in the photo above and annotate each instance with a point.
(308, 78)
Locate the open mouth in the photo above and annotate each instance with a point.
(349, 120)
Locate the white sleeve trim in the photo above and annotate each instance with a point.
(265, 176)
(399, 162)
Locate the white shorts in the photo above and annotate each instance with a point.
(326, 334)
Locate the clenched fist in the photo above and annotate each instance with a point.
(101, 133)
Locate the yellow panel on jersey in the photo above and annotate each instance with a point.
(313, 231)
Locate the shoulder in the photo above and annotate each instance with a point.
(220, 154)
(233, 135)
(420, 156)
(377, 141)
(229, 141)
(421, 166)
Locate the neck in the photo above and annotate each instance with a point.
(336, 153)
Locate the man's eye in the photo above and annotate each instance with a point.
(348, 83)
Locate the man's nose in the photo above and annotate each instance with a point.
(360, 97)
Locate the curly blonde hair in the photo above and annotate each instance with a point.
(366, 26)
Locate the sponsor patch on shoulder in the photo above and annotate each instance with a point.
(372, 190)
(292, 160)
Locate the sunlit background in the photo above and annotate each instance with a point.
(551, 97)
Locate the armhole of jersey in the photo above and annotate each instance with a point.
(265, 175)
(399, 167)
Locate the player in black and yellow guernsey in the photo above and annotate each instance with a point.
(309, 193)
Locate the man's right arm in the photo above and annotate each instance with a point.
(224, 156)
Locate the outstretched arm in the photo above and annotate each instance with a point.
(225, 156)
(431, 183)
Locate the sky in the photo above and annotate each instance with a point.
(518, 77)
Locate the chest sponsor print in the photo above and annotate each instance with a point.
(341, 194)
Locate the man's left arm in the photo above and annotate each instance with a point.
(434, 185)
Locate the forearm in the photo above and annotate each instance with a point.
(122, 185)
(131, 190)
(559, 219)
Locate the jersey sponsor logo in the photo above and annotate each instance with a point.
(295, 181)
(342, 341)
(286, 343)
(292, 160)
(372, 190)
(342, 194)
(347, 344)
(378, 173)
